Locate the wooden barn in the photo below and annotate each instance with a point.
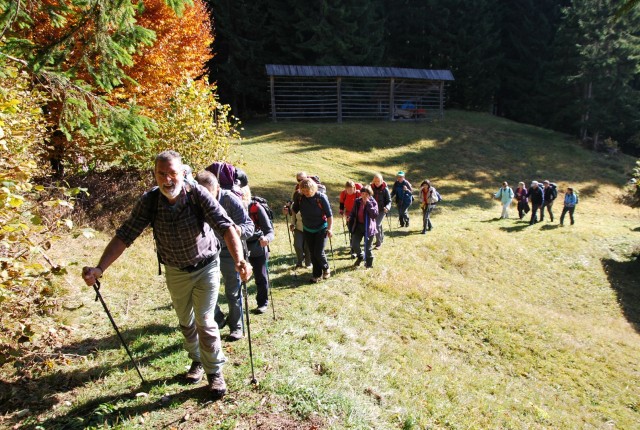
(356, 92)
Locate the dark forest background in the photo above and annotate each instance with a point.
(572, 66)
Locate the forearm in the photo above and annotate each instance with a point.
(114, 249)
(234, 244)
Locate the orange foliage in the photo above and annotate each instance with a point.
(181, 50)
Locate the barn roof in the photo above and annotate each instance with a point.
(358, 72)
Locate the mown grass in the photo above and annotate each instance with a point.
(482, 323)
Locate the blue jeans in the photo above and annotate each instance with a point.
(231, 290)
(403, 215)
(426, 217)
(194, 296)
(259, 265)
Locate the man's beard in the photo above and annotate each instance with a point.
(171, 193)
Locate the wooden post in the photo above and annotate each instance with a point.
(392, 102)
(273, 98)
(339, 89)
(441, 99)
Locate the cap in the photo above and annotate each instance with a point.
(400, 173)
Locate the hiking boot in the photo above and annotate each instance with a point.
(357, 262)
(235, 335)
(298, 266)
(377, 246)
(262, 309)
(217, 386)
(369, 263)
(353, 255)
(314, 280)
(424, 231)
(326, 274)
(195, 373)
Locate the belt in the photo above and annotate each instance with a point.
(199, 265)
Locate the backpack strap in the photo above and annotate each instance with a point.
(153, 212)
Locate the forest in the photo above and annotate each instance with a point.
(571, 66)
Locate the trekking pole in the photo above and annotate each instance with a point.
(366, 231)
(390, 229)
(96, 287)
(286, 215)
(273, 308)
(344, 230)
(246, 307)
(333, 260)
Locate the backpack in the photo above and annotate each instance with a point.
(554, 190)
(229, 177)
(253, 209)
(577, 194)
(321, 187)
(438, 196)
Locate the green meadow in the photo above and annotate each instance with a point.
(482, 323)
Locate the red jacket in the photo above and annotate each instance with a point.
(347, 200)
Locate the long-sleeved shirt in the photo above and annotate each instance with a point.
(264, 229)
(504, 194)
(182, 237)
(570, 200)
(314, 210)
(236, 211)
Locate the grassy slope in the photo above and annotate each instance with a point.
(482, 323)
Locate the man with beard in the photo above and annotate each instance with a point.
(187, 246)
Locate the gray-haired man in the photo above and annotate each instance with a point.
(190, 252)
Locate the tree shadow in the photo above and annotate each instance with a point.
(624, 278)
(92, 413)
(39, 393)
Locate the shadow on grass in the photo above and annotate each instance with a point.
(624, 278)
(100, 413)
(515, 228)
(39, 393)
(550, 227)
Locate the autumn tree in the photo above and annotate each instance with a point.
(180, 51)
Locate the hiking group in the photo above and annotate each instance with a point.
(362, 210)
(209, 227)
(540, 197)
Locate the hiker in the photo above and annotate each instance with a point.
(550, 193)
(362, 224)
(402, 192)
(299, 245)
(258, 246)
(229, 177)
(348, 197)
(570, 202)
(428, 200)
(317, 220)
(522, 197)
(383, 198)
(505, 195)
(232, 204)
(536, 196)
(189, 250)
